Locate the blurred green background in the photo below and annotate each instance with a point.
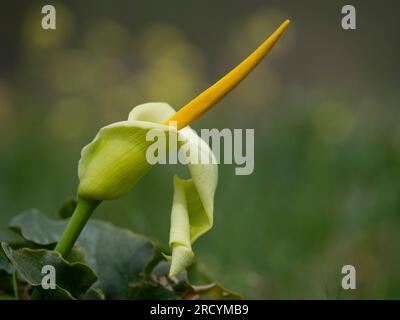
(326, 187)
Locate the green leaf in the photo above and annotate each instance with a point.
(94, 294)
(126, 264)
(207, 288)
(118, 257)
(12, 238)
(72, 279)
(6, 286)
(182, 286)
(214, 291)
(151, 290)
(35, 227)
(67, 208)
(56, 294)
(5, 264)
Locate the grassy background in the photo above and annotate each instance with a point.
(325, 191)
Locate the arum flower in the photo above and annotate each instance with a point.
(115, 160)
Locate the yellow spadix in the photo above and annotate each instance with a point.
(208, 98)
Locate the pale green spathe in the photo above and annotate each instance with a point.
(115, 160)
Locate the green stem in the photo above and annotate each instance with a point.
(79, 218)
(81, 215)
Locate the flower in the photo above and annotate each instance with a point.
(115, 160)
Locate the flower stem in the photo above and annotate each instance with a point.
(81, 215)
(79, 218)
